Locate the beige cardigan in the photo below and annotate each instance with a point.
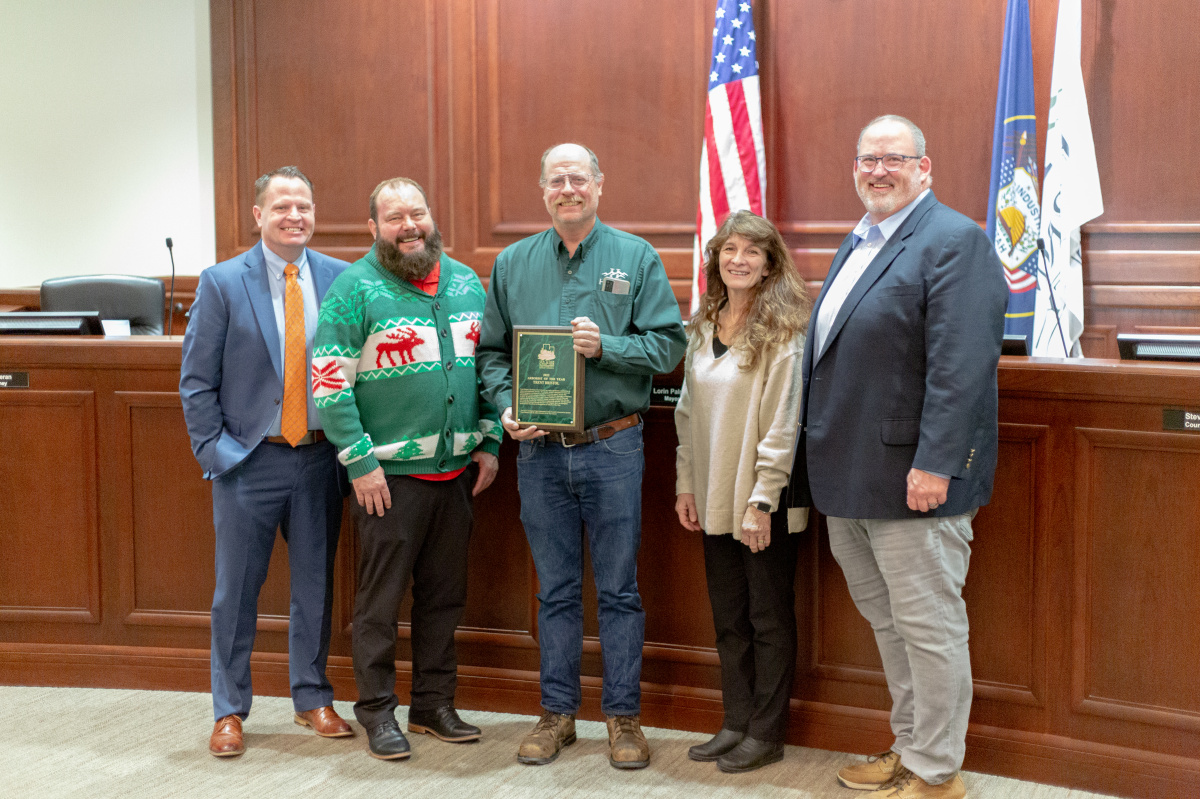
(737, 433)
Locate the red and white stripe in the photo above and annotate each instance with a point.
(733, 165)
(1018, 279)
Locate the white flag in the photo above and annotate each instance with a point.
(1070, 195)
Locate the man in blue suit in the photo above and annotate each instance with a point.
(898, 443)
(252, 324)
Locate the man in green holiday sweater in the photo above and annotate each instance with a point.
(395, 385)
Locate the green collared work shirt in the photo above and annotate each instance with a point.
(535, 282)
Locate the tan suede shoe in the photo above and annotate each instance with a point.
(876, 772)
(626, 744)
(906, 785)
(226, 740)
(552, 732)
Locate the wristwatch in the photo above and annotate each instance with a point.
(762, 506)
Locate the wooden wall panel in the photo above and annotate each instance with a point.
(500, 566)
(1140, 64)
(686, 621)
(50, 540)
(831, 77)
(345, 91)
(159, 542)
(1080, 591)
(551, 77)
(465, 95)
(1005, 590)
(1129, 556)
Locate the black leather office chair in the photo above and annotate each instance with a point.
(141, 300)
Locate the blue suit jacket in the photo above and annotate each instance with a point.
(231, 380)
(908, 376)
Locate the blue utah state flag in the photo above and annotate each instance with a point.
(1013, 211)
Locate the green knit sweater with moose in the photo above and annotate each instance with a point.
(393, 371)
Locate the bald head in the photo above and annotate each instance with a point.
(571, 187)
(573, 152)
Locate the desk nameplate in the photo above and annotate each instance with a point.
(1173, 419)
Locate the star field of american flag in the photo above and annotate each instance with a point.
(733, 168)
(733, 55)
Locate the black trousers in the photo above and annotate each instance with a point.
(422, 537)
(754, 611)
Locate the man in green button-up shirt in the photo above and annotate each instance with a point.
(611, 289)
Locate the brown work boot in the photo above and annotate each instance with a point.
(552, 732)
(627, 747)
(875, 773)
(906, 785)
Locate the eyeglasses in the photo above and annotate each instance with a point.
(892, 162)
(578, 181)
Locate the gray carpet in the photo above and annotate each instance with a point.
(78, 742)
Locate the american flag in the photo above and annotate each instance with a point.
(733, 164)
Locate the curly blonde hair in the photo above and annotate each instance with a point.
(781, 304)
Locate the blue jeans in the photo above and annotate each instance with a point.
(562, 489)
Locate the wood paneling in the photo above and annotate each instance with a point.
(465, 95)
(49, 570)
(1080, 591)
(1081, 642)
(1008, 627)
(1130, 558)
(546, 64)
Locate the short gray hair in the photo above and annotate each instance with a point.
(917, 136)
(595, 162)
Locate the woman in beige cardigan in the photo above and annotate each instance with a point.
(736, 421)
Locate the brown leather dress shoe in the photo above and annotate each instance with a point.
(226, 740)
(325, 722)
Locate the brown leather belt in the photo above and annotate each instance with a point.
(311, 437)
(594, 434)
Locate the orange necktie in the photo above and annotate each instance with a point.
(294, 425)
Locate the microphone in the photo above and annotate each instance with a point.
(171, 305)
(1045, 270)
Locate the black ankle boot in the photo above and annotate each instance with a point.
(718, 745)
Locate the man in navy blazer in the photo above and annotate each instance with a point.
(898, 443)
(232, 387)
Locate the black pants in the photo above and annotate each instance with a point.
(754, 611)
(422, 537)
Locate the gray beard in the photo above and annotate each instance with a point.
(410, 266)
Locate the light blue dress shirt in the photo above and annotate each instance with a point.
(868, 241)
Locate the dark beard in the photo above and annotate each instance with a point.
(410, 266)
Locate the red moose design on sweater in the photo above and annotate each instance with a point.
(473, 334)
(399, 342)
